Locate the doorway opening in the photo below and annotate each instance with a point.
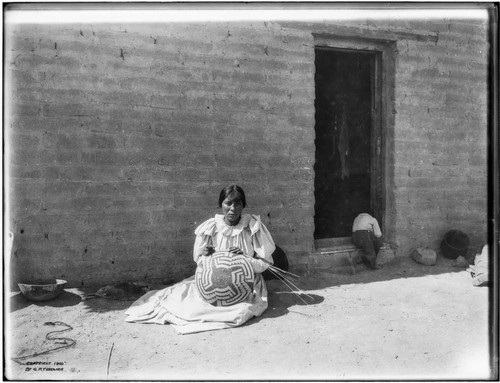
(348, 167)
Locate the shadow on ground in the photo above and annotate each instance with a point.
(66, 298)
(281, 301)
(397, 269)
(280, 296)
(102, 305)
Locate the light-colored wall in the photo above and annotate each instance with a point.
(122, 136)
(440, 139)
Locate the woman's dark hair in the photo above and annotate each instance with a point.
(233, 192)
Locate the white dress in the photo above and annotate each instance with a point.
(181, 305)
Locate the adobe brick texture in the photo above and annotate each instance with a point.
(119, 138)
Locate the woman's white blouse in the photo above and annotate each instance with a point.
(250, 235)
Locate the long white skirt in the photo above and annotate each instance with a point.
(182, 307)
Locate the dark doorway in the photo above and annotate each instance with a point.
(347, 167)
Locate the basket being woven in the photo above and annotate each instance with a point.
(224, 278)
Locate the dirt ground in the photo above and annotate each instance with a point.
(404, 322)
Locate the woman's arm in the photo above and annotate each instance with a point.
(263, 245)
(262, 241)
(202, 248)
(259, 265)
(203, 240)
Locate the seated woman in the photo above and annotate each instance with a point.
(181, 305)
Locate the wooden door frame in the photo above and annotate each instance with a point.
(384, 52)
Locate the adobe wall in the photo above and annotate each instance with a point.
(122, 136)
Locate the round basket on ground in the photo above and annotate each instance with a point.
(42, 290)
(455, 244)
(224, 278)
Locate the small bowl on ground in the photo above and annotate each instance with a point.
(455, 244)
(42, 290)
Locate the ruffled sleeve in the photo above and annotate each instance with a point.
(203, 238)
(262, 242)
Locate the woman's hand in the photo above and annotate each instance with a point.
(235, 250)
(207, 251)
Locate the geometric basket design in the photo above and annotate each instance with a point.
(224, 278)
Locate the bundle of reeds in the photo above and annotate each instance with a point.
(287, 278)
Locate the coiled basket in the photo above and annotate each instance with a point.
(224, 278)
